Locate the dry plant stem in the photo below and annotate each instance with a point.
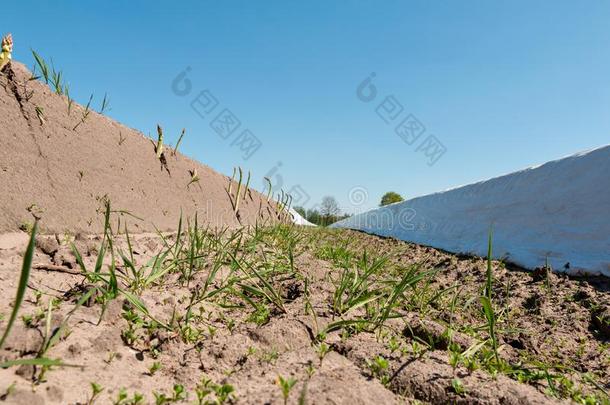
(52, 267)
(231, 181)
(237, 199)
(179, 141)
(70, 101)
(247, 185)
(270, 189)
(40, 115)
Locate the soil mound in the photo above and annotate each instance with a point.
(67, 173)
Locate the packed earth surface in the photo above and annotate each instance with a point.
(65, 159)
(213, 317)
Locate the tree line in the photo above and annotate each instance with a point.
(329, 212)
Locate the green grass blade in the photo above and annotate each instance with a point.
(23, 282)
(44, 68)
(43, 361)
(277, 300)
(362, 300)
(136, 302)
(100, 256)
(56, 335)
(178, 245)
(344, 323)
(491, 324)
(489, 275)
(79, 258)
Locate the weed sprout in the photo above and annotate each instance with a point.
(286, 385)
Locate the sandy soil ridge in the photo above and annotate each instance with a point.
(66, 172)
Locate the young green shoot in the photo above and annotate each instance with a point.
(286, 385)
(70, 100)
(322, 349)
(52, 336)
(547, 274)
(223, 392)
(105, 104)
(487, 303)
(96, 390)
(178, 395)
(458, 386)
(86, 113)
(42, 65)
(194, 177)
(156, 366)
(56, 82)
(379, 366)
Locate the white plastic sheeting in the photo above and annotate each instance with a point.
(298, 219)
(559, 210)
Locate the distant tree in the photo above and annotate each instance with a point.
(301, 211)
(329, 206)
(390, 197)
(329, 209)
(314, 216)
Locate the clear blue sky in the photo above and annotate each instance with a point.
(503, 85)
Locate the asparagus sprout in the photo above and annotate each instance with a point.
(7, 49)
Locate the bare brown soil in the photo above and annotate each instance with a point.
(543, 326)
(66, 173)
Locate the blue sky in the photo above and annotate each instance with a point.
(501, 85)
